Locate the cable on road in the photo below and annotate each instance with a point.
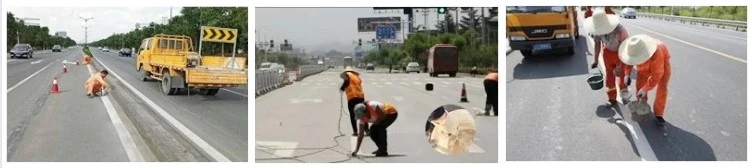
(321, 149)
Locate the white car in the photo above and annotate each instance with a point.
(629, 13)
(268, 66)
(105, 49)
(412, 67)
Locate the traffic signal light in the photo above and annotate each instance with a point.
(442, 10)
(271, 43)
(285, 41)
(360, 42)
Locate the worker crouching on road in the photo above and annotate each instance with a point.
(608, 34)
(651, 57)
(87, 59)
(381, 115)
(354, 92)
(96, 83)
(491, 85)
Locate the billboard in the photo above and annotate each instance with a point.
(369, 24)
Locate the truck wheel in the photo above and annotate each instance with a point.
(570, 51)
(167, 85)
(212, 92)
(526, 53)
(144, 74)
(452, 74)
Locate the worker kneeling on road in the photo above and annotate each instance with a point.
(608, 34)
(381, 115)
(491, 85)
(653, 69)
(96, 83)
(354, 91)
(87, 59)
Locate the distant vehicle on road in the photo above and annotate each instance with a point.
(412, 67)
(330, 66)
(270, 66)
(57, 48)
(537, 28)
(105, 49)
(99, 48)
(125, 52)
(370, 66)
(179, 67)
(629, 13)
(320, 62)
(22, 50)
(348, 61)
(443, 59)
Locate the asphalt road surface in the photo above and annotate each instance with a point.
(220, 120)
(552, 114)
(299, 122)
(66, 126)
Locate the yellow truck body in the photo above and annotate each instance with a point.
(542, 28)
(172, 60)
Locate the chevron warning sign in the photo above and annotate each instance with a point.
(218, 34)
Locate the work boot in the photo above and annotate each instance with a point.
(611, 103)
(660, 120)
(355, 134)
(488, 110)
(381, 153)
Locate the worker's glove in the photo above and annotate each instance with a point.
(641, 94)
(594, 65)
(354, 154)
(628, 79)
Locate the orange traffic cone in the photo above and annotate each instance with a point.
(55, 89)
(463, 94)
(65, 69)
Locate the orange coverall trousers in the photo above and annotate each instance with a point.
(655, 73)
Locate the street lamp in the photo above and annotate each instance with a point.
(86, 30)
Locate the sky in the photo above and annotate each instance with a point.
(324, 29)
(106, 22)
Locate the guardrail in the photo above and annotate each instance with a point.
(267, 81)
(739, 25)
(308, 70)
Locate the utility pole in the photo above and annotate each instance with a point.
(86, 30)
(18, 37)
(457, 22)
(483, 22)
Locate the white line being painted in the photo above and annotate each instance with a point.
(212, 152)
(693, 45)
(475, 149)
(36, 62)
(399, 98)
(228, 90)
(283, 146)
(125, 137)
(27, 78)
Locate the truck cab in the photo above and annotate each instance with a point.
(537, 28)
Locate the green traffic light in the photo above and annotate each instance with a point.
(442, 10)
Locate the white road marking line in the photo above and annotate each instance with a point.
(36, 62)
(125, 137)
(27, 78)
(237, 93)
(417, 83)
(475, 149)
(388, 83)
(399, 98)
(283, 146)
(693, 45)
(305, 84)
(374, 83)
(447, 83)
(643, 146)
(404, 83)
(210, 151)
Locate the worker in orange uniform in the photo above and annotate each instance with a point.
(381, 115)
(354, 92)
(87, 59)
(491, 85)
(608, 34)
(96, 83)
(653, 69)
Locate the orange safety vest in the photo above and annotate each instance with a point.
(354, 90)
(386, 108)
(493, 76)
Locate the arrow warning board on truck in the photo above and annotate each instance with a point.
(218, 34)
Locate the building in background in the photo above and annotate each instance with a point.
(61, 34)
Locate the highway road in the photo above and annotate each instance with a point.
(71, 127)
(552, 114)
(300, 122)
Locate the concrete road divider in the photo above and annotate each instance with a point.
(308, 70)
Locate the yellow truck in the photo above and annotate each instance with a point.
(542, 28)
(172, 60)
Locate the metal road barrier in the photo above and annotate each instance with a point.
(267, 81)
(738, 25)
(308, 70)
